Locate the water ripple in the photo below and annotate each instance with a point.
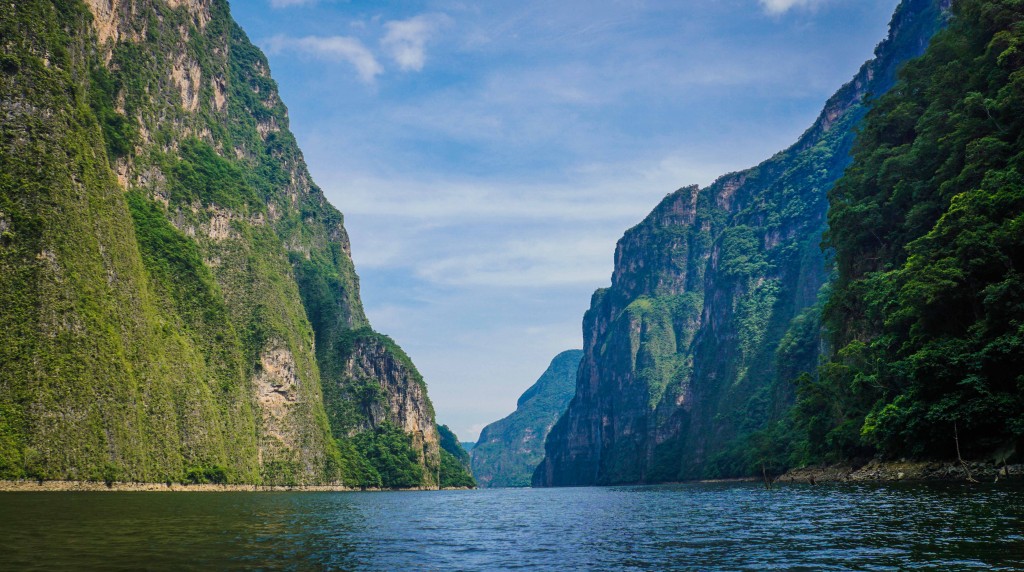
(724, 526)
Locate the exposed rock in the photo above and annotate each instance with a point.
(276, 386)
(682, 353)
(265, 128)
(220, 98)
(155, 323)
(105, 18)
(888, 471)
(187, 75)
(403, 398)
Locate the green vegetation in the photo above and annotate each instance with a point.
(714, 311)
(455, 471)
(356, 392)
(353, 468)
(119, 132)
(203, 475)
(200, 174)
(454, 474)
(927, 314)
(450, 443)
(166, 266)
(510, 449)
(769, 329)
(390, 453)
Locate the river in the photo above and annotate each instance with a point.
(700, 526)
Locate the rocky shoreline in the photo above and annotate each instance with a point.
(99, 486)
(891, 471)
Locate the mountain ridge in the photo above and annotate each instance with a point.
(180, 297)
(509, 450)
(712, 307)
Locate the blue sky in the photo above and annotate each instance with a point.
(487, 155)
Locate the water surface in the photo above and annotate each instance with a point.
(725, 526)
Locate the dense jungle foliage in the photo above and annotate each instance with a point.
(927, 311)
(925, 316)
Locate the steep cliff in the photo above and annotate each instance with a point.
(510, 449)
(177, 296)
(927, 312)
(712, 307)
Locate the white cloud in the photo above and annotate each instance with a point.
(543, 260)
(782, 6)
(526, 235)
(336, 48)
(405, 40)
(594, 193)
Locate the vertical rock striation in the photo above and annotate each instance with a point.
(712, 307)
(177, 296)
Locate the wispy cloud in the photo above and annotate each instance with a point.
(336, 48)
(595, 193)
(537, 262)
(781, 6)
(564, 233)
(485, 186)
(405, 40)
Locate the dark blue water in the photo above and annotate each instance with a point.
(736, 526)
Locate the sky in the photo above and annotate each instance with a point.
(488, 155)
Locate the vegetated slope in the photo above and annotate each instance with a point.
(455, 469)
(509, 450)
(177, 297)
(926, 317)
(712, 307)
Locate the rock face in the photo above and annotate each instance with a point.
(509, 450)
(379, 384)
(176, 294)
(712, 307)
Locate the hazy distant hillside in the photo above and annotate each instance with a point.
(509, 450)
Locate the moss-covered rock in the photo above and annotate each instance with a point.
(689, 355)
(173, 286)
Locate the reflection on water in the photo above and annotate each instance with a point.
(734, 526)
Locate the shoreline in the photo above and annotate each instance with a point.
(99, 486)
(903, 471)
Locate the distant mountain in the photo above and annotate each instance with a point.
(468, 445)
(509, 450)
(713, 307)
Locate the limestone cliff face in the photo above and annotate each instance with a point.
(711, 311)
(386, 387)
(175, 288)
(510, 449)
